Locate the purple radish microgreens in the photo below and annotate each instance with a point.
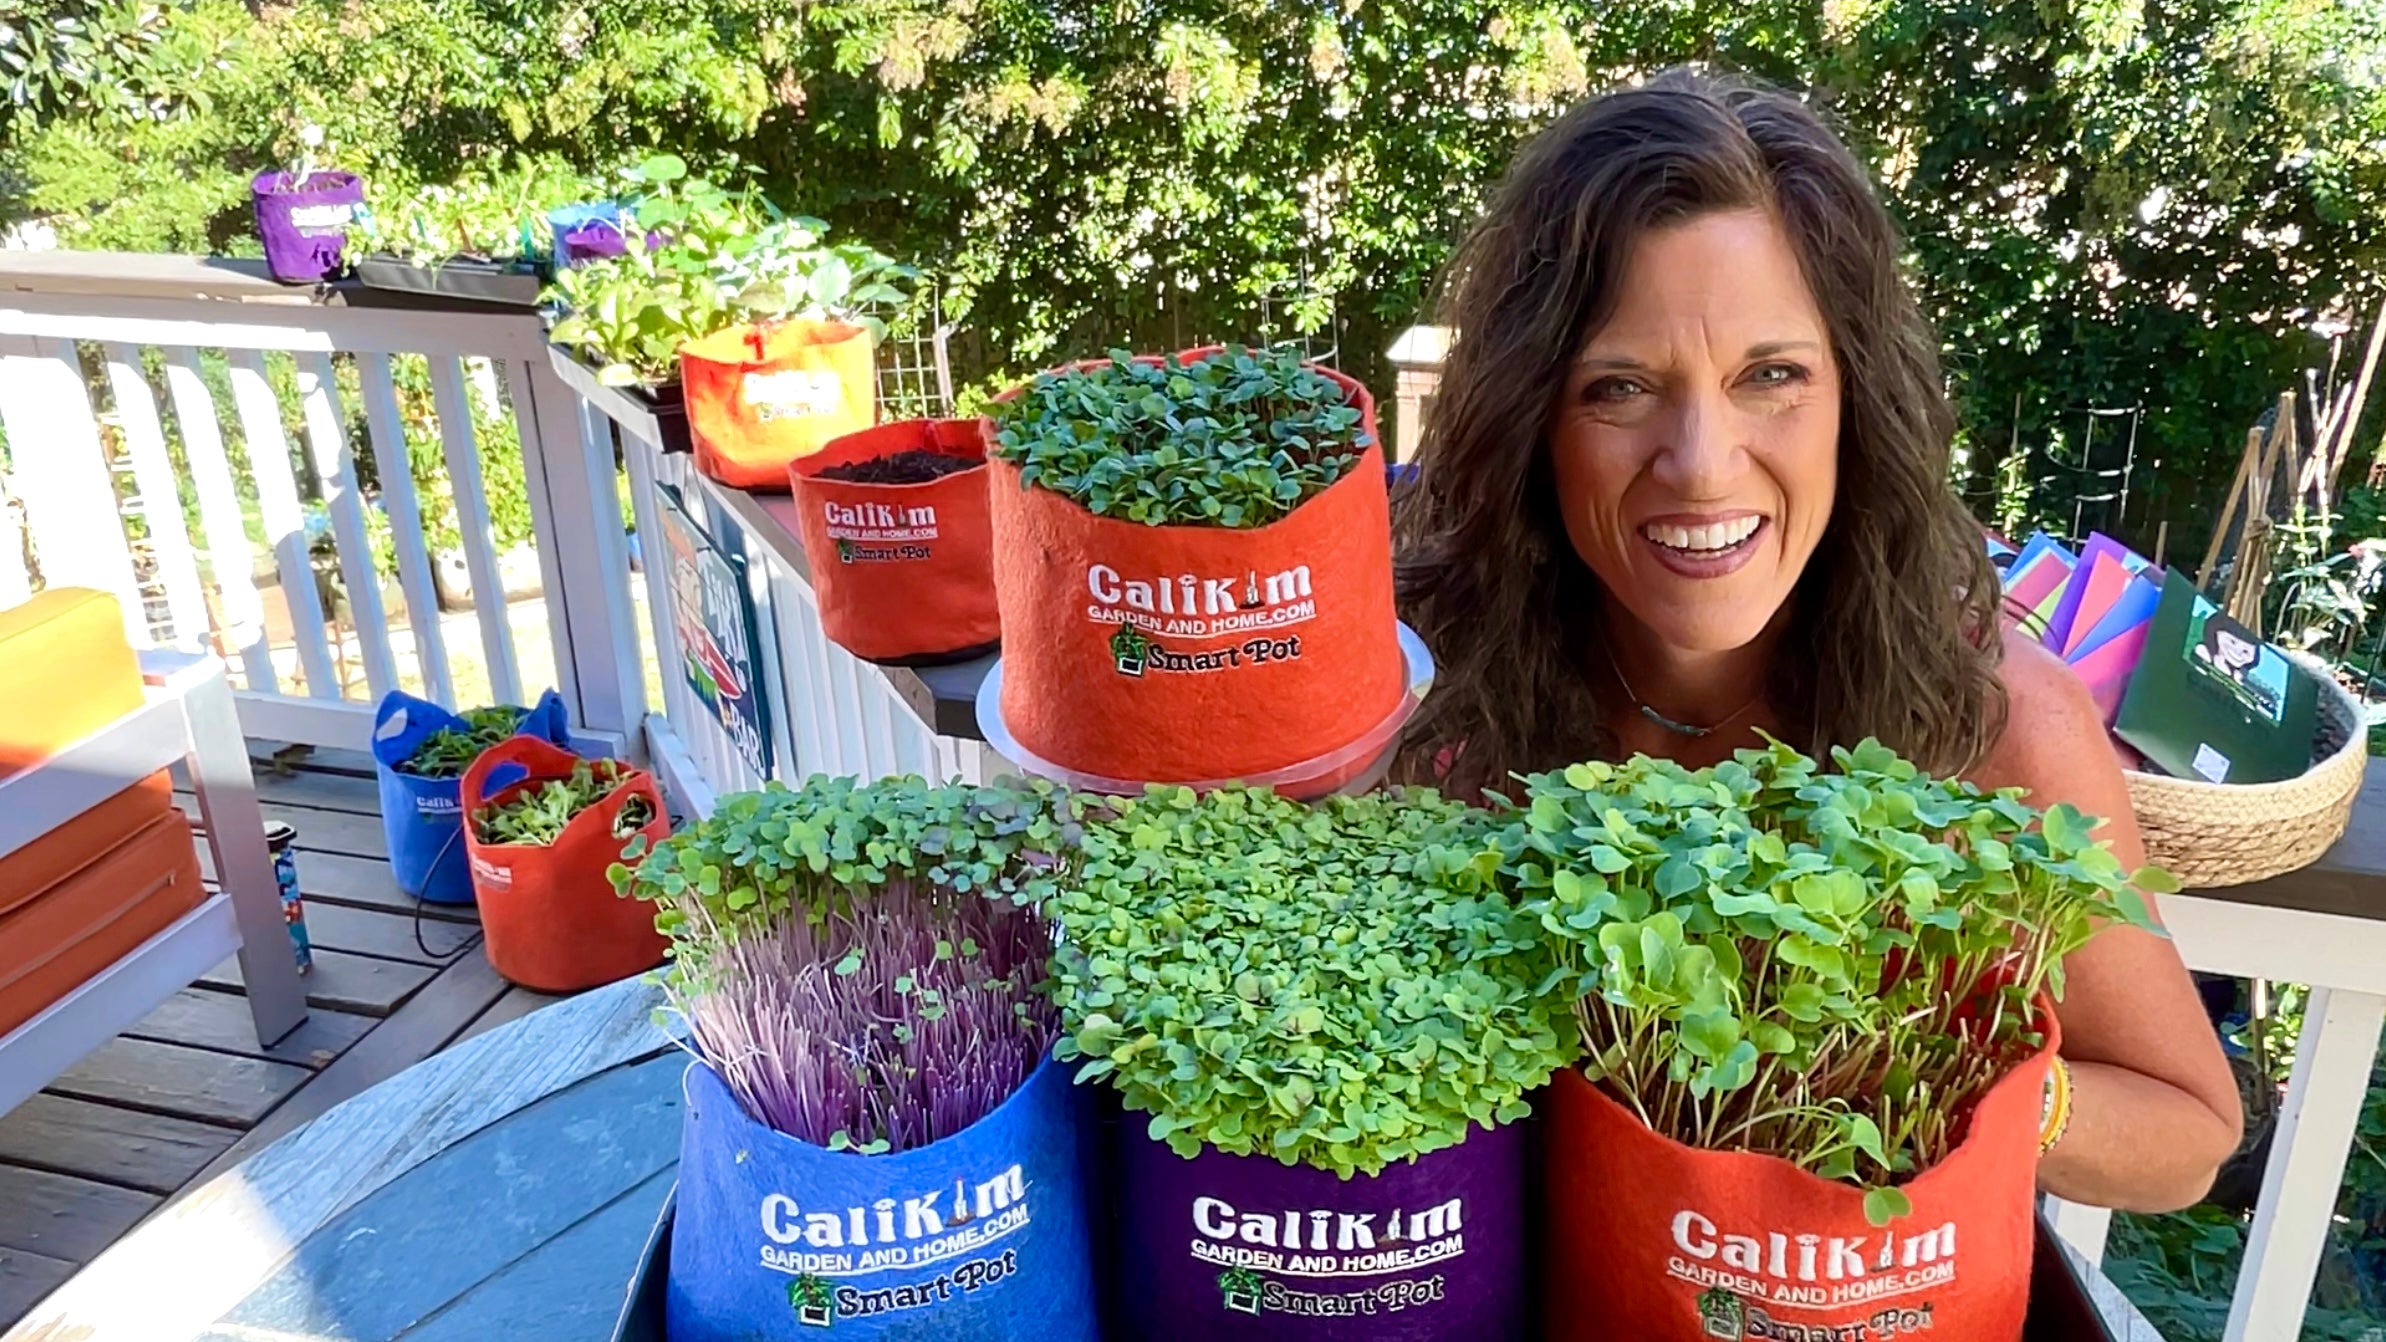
(863, 965)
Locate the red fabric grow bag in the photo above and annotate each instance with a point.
(552, 920)
(1174, 654)
(903, 572)
(762, 395)
(1648, 1238)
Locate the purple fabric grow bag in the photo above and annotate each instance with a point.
(1249, 1248)
(305, 228)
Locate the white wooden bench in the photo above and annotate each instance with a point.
(189, 719)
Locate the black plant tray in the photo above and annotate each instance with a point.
(2060, 1307)
(658, 416)
(391, 282)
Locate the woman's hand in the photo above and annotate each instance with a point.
(2154, 1108)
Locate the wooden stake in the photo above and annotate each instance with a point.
(2350, 421)
(2162, 541)
(2325, 418)
(2265, 471)
(2228, 507)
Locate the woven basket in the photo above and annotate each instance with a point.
(2209, 834)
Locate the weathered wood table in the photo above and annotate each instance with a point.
(502, 1190)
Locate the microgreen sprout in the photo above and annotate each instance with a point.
(1238, 438)
(537, 815)
(1342, 987)
(862, 965)
(448, 752)
(1826, 966)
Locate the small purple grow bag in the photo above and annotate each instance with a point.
(305, 228)
(1250, 1248)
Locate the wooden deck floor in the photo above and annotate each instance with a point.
(187, 1093)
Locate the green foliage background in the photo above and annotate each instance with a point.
(2112, 202)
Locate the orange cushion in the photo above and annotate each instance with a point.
(83, 840)
(65, 672)
(69, 931)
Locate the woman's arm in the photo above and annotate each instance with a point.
(2154, 1107)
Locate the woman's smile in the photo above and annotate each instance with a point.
(1704, 545)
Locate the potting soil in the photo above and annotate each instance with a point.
(901, 468)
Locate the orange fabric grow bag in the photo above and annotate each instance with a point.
(1188, 653)
(1648, 1238)
(55, 940)
(760, 396)
(552, 920)
(903, 572)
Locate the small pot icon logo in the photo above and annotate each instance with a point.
(1241, 1287)
(1722, 1314)
(1130, 648)
(815, 1306)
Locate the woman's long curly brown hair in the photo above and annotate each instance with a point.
(1896, 632)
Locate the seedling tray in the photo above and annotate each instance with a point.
(2060, 1307)
(497, 283)
(658, 416)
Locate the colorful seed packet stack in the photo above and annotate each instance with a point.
(2092, 608)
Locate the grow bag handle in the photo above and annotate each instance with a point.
(526, 757)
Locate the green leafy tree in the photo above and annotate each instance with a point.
(2111, 203)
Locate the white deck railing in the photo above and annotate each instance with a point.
(102, 354)
(114, 436)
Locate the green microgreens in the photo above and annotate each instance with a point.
(448, 752)
(1238, 438)
(718, 257)
(537, 815)
(1341, 987)
(1829, 967)
(848, 957)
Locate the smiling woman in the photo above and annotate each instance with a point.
(1686, 482)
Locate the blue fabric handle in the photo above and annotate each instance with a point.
(422, 817)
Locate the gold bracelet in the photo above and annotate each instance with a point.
(2054, 1116)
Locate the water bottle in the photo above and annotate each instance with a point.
(281, 839)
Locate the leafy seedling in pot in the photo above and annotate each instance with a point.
(1241, 1286)
(537, 815)
(815, 1305)
(448, 752)
(1234, 439)
(1829, 967)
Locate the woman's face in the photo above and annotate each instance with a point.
(1696, 447)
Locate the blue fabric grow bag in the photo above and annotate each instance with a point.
(980, 1236)
(423, 818)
